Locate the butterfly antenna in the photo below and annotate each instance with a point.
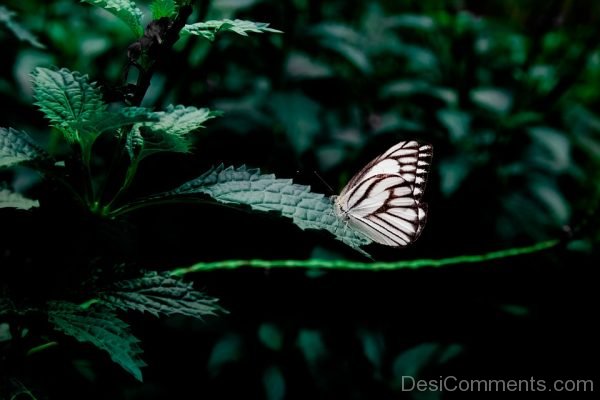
(332, 212)
(325, 183)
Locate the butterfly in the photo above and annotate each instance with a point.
(383, 200)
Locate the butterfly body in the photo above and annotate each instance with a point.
(383, 200)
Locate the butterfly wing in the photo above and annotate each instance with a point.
(383, 202)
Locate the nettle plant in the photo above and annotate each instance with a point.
(79, 109)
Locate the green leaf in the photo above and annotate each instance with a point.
(10, 199)
(274, 383)
(6, 19)
(17, 147)
(496, 100)
(414, 87)
(458, 123)
(170, 133)
(373, 347)
(353, 54)
(227, 350)
(550, 150)
(180, 120)
(159, 294)
(5, 335)
(67, 99)
(300, 65)
(412, 362)
(312, 345)
(125, 10)
(271, 336)
(299, 116)
(209, 29)
(347, 42)
(162, 8)
(453, 173)
(412, 21)
(261, 192)
(108, 120)
(102, 329)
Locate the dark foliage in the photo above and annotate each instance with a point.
(507, 92)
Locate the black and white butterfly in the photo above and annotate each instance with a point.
(383, 201)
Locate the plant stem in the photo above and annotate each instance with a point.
(171, 36)
(88, 304)
(23, 391)
(141, 87)
(157, 200)
(131, 171)
(117, 156)
(40, 348)
(367, 266)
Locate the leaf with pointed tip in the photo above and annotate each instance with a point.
(109, 120)
(102, 329)
(159, 294)
(162, 8)
(262, 192)
(126, 10)
(6, 19)
(209, 29)
(67, 99)
(10, 199)
(170, 133)
(18, 147)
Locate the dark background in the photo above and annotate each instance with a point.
(507, 92)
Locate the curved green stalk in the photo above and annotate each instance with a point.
(367, 266)
(41, 348)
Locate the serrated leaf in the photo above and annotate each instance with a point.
(10, 199)
(307, 209)
(159, 294)
(180, 120)
(6, 19)
(109, 120)
(67, 99)
(17, 147)
(102, 329)
(170, 133)
(125, 10)
(209, 29)
(162, 8)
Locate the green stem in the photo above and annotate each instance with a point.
(367, 266)
(23, 391)
(86, 305)
(40, 348)
(131, 172)
(117, 156)
(86, 157)
(157, 200)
